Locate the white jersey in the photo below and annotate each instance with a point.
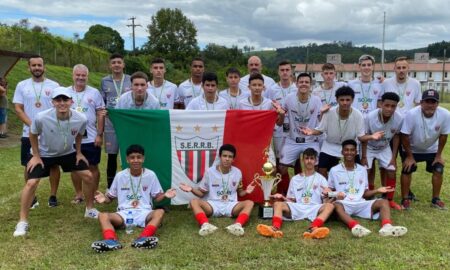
(302, 115)
(353, 183)
(366, 95)
(307, 189)
(328, 96)
(165, 94)
(127, 101)
(88, 102)
(221, 187)
(135, 192)
(409, 93)
(374, 123)
(57, 137)
(187, 90)
(424, 132)
(233, 101)
(338, 130)
(245, 104)
(243, 83)
(200, 103)
(278, 93)
(35, 97)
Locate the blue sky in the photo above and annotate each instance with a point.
(263, 24)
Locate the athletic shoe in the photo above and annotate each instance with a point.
(406, 204)
(91, 213)
(268, 231)
(317, 233)
(438, 204)
(394, 205)
(235, 229)
(412, 196)
(77, 200)
(106, 245)
(206, 229)
(21, 229)
(389, 230)
(52, 201)
(34, 203)
(360, 231)
(145, 242)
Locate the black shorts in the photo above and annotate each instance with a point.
(428, 158)
(67, 163)
(91, 152)
(329, 161)
(25, 151)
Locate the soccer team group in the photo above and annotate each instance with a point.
(331, 135)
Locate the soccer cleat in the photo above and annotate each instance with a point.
(360, 231)
(106, 245)
(394, 205)
(91, 213)
(52, 201)
(34, 203)
(437, 203)
(406, 204)
(317, 233)
(21, 229)
(268, 231)
(235, 229)
(145, 242)
(206, 229)
(389, 230)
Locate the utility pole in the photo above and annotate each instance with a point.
(132, 25)
(382, 45)
(443, 76)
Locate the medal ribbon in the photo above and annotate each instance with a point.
(116, 87)
(36, 95)
(62, 131)
(133, 190)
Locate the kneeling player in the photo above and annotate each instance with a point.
(222, 183)
(134, 188)
(350, 182)
(303, 201)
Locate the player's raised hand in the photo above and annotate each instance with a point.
(385, 189)
(325, 108)
(99, 197)
(307, 131)
(278, 196)
(185, 187)
(170, 193)
(250, 188)
(378, 135)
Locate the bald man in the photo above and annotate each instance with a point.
(254, 65)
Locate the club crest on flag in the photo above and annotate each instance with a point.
(196, 155)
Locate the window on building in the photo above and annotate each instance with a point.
(384, 74)
(313, 74)
(342, 74)
(430, 75)
(415, 74)
(355, 74)
(445, 74)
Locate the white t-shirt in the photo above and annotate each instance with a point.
(56, 138)
(243, 83)
(302, 115)
(373, 123)
(353, 183)
(221, 187)
(30, 94)
(245, 104)
(135, 192)
(328, 96)
(366, 95)
(126, 101)
(187, 90)
(199, 103)
(409, 93)
(88, 102)
(424, 132)
(233, 101)
(165, 94)
(307, 190)
(278, 93)
(337, 130)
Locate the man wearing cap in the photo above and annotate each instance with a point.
(424, 135)
(254, 65)
(53, 134)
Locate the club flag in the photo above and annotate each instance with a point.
(180, 145)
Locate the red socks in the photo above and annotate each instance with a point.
(242, 219)
(201, 218)
(316, 223)
(385, 221)
(276, 222)
(352, 224)
(390, 183)
(109, 234)
(148, 231)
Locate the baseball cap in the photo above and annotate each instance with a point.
(366, 57)
(430, 94)
(61, 91)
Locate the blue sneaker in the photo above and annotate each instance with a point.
(106, 245)
(145, 242)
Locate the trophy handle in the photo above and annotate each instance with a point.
(277, 179)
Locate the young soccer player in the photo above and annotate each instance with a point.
(134, 188)
(209, 100)
(233, 94)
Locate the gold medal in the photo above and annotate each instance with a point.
(401, 104)
(79, 109)
(224, 197)
(135, 203)
(117, 100)
(352, 190)
(365, 105)
(38, 104)
(306, 200)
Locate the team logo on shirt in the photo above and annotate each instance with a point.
(144, 188)
(73, 131)
(48, 92)
(393, 130)
(196, 155)
(168, 95)
(408, 92)
(90, 100)
(375, 92)
(437, 127)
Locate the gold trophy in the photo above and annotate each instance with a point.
(267, 182)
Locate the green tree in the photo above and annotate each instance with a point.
(172, 36)
(104, 38)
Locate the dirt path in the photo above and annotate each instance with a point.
(11, 141)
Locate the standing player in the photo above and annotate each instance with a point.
(89, 101)
(53, 135)
(191, 87)
(31, 97)
(209, 100)
(222, 184)
(139, 97)
(162, 89)
(254, 65)
(134, 188)
(233, 94)
(424, 135)
(349, 180)
(327, 90)
(112, 86)
(303, 201)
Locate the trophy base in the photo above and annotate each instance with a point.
(265, 212)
